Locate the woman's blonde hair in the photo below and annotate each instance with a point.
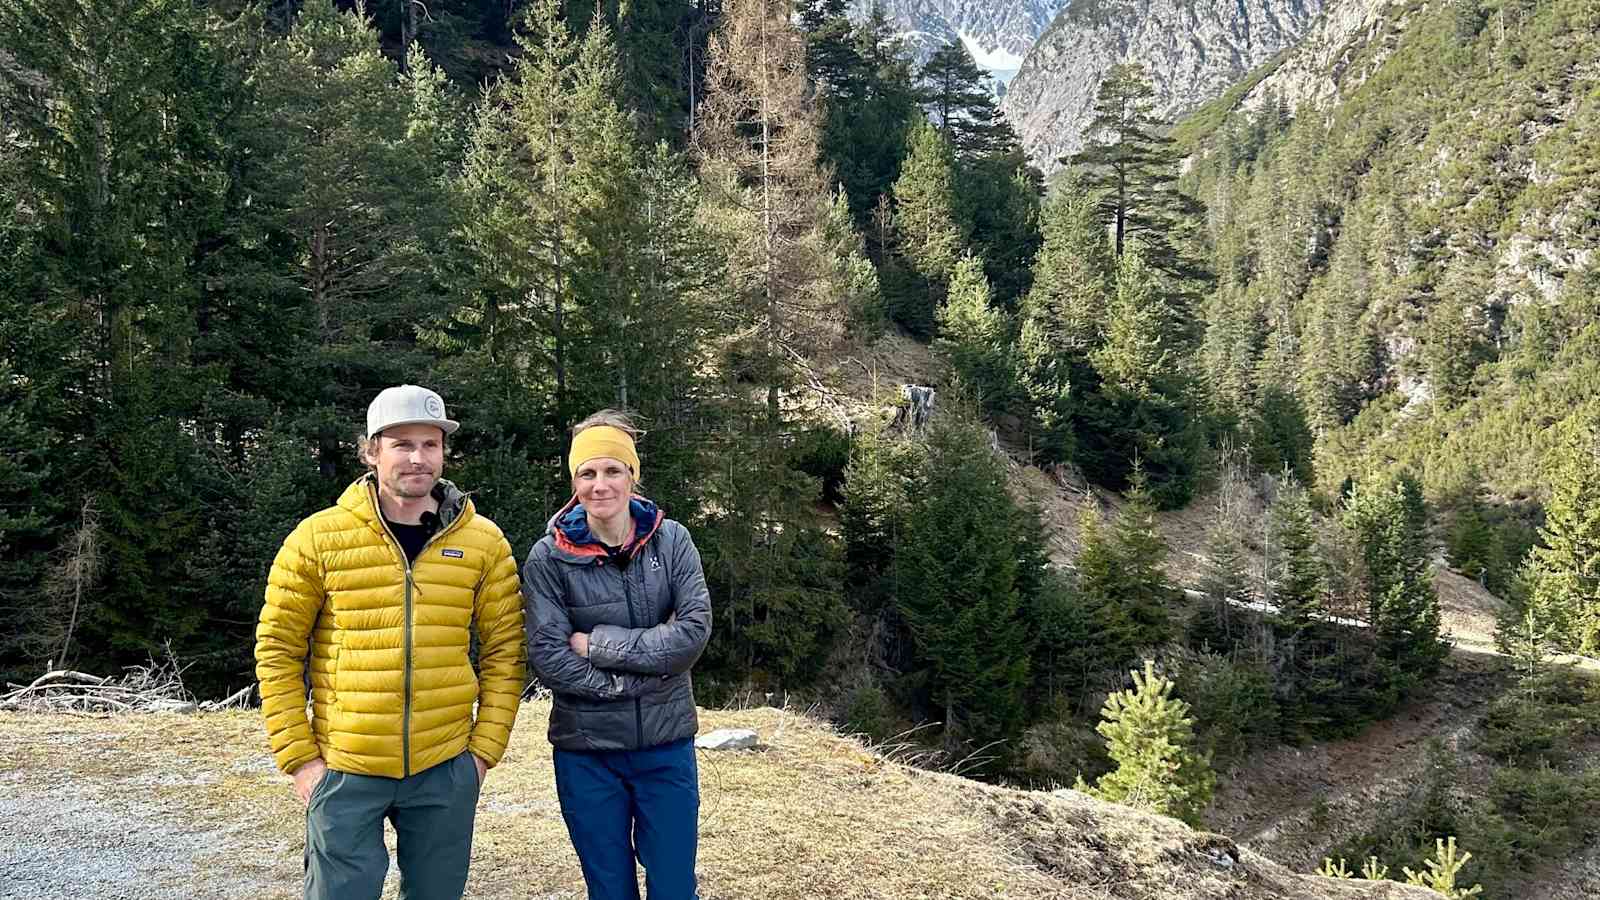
(616, 418)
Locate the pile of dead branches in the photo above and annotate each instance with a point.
(157, 687)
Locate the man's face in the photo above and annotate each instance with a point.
(409, 460)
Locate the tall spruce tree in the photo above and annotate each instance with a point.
(331, 235)
(1147, 407)
(1389, 520)
(928, 235)
(975, 336)
(958, 585)
(1562, 574)
(1063, 317)
(112, 179)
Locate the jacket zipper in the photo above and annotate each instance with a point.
(405, 715)
(638, 704)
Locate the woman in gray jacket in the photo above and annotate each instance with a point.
(617, 613)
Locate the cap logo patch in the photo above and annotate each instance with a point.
(435, 406)
(454, 554)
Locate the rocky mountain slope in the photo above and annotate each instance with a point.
(1193, 50)
(998, 33)
(165, 805)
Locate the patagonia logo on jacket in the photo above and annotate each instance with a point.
(453, 553)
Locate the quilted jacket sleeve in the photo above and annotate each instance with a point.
(549, 627)
(674, 645)
(501, 670)
(283, 634)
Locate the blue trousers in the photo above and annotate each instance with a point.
(622, 805)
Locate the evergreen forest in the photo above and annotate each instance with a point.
(225, 225)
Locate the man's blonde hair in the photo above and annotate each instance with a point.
(367, 449)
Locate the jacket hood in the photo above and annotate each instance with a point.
(574, 542)
(361, 499)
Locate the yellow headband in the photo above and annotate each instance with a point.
(602, 441)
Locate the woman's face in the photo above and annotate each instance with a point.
(603, 486)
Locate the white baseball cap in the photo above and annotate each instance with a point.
(407, 404)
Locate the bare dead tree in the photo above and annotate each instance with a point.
(756, 137)
(69, 581)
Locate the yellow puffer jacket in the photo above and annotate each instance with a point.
(392, 687)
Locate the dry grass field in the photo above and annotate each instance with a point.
(189, 806)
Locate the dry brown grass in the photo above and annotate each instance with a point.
(809, 814)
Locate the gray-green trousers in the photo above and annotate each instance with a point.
(432, 813)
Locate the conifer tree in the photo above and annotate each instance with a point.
(1120, 576)
(1562, 573)
(756, 138)
(1134, 168)
(958, 585)
(1390, 522)
(1297, 575)
(953, 89)
(863, 76)
(998, 195)
(1147, 406)
(1224, 578)
(974, 335)
(1063, 316)
(928, 234)
(1150, 737)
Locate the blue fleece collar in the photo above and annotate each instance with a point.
(574, 523)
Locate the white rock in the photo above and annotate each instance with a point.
(727, 739)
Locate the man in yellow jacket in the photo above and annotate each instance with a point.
(377, 596)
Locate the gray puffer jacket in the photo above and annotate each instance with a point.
(647, 620)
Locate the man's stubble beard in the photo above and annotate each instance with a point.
(398, 487)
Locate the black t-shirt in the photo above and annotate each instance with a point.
(412, 537)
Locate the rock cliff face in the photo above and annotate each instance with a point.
(1192, 50)
(997, 33)
(1323, 63)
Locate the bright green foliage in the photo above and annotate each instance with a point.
(1563, 574)
(853, 275)
(928, 234)
(1330, 869)
(1063, 317)
(1150, 737)
(975, 336)
(960, 584)
(1442, 871)
(1373, 870)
